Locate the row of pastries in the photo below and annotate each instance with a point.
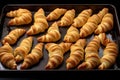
(75, 39)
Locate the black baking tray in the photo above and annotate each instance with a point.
(114, 34)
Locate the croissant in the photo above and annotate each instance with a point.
(72, 35)
(82, 18)
(92, 23)
(92, 59)
(103, 39)
(65, 46)
(102, 13)
(106, 24)
(109, 56)
(56, 52)
(7, 57)
(34, 57)
(76, 54)
(13, 36)
(23, 49)
(52, 35)
(40, 24)
(21, 17)
(67, 19)
(87, 29)
(55, 14)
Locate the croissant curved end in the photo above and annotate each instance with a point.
(24, 66)
(18, 58)
(14, 66)
(82, 66)
(68, 65)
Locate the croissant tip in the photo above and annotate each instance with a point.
(39, 39)
(10, 23)
(68, 66)
(47, 67)
(14, 66)
(18, 58)
(101, 67)
(82, 66)
(23, 66)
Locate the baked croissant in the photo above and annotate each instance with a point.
(106, 24)
(34, 57)
(76, 54)
(55, 55)
(52, 35)
(13, 36)
(67, 19)
(65, 46)
(55, 14)
(82, 18)
(21, 17)
(72, 35)
(56, 52)
(92, 23)
(23, 49)
(103, 39)
(7, 57)
(102, 13)
(109, 56)
(92, 59)
(40, 23)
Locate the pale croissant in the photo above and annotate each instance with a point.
(40, 23)
(56, 14)
(72, 35)
(21, 17)
(7, 57)
(76, 54)
(34, 57)
(67, 19)
(23, 49)
(82, 18)
(53, 34)
(92, 59)
(13, 36)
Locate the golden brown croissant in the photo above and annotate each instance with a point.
(55, 14)
(102, 13)
(109, 56)
(106, 24)
(7, 57)
(34, 57)
(56, 52)
(21, 16)
(65, 46)
(103, 39)
(52, 35)
(67, 19)
(92, 23)
(40, 24)
(72, 35)
(13, 36)
(76, 54)
(92, 59)
(23, 49)
(55, 55)
(82, 18)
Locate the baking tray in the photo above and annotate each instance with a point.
(114, 34)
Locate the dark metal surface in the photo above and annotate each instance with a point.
(4, 30)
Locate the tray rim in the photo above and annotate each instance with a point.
(55, 70)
